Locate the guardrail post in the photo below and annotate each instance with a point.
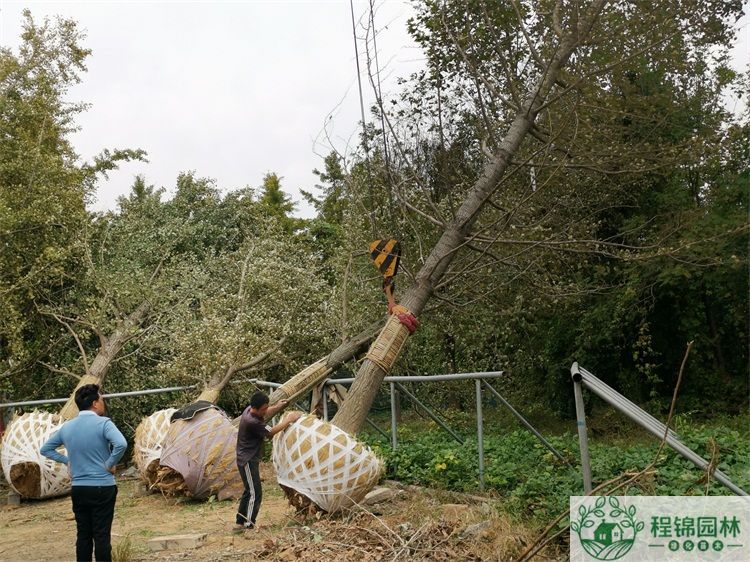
(581, 423)
(394, 430)
(480, 432)
(649, 423)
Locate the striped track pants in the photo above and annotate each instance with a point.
(252, 496)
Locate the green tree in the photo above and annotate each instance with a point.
(43, 186)
(573, 153)
(277, 203)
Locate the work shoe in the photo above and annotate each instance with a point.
(240, 529)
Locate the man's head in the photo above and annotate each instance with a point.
(88, 398)
(259, 403)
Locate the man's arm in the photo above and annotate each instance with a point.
(49, 449)
(118, 442)
(276, 408)
(288, 420)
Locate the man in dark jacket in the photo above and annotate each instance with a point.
(252, 433)
(94, 445)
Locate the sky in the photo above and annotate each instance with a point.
(231, 90)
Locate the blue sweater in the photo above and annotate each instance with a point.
(93, 443)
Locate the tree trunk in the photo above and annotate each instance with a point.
(714, 337)
(109, 350)
(353, 347)
(351, 417)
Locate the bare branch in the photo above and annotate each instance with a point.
(345, 301)
(62, 320)
(250, 364)
(556, 22)
(60, 370)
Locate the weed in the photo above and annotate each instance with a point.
(123, 551)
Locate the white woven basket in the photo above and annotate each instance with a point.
(325, 464)
(147, 445)
(28, 472)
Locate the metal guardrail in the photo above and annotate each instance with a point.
(394, 382)
(112, 395)
(581, 377)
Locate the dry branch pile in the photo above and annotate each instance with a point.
(345, 541)
(412, 527)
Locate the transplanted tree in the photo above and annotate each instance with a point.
(267, 297)
(134, 274)
(559, 110)
(43, 190)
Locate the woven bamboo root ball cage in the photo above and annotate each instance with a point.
(147, 446)
(199, 459)
(325, 464)
(28, 472)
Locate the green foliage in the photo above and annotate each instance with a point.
(43, 189)
(619, 235)
(277, 204)
(41, 194)
(615, 244)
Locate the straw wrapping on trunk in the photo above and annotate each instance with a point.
(387, 347)
(302, 381)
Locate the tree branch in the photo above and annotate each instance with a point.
(60, 370)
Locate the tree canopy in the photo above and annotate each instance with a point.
(616, 232)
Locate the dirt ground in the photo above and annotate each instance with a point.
(418, 524)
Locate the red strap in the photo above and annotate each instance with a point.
(409, 320)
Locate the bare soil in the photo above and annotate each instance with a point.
(416, 525)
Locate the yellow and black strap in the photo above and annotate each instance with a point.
(386, 254)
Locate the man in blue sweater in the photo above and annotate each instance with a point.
(94, 446)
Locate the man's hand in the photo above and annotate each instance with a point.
(112, 469)
(292, 417)
(288, 420)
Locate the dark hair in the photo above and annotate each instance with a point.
(86, 395)
(258, 400)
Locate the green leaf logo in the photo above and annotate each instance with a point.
(606, 534)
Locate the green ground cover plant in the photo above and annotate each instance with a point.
(535, 484)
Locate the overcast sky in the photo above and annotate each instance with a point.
(232, 90)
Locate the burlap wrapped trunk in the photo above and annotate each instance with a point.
(198, 457)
